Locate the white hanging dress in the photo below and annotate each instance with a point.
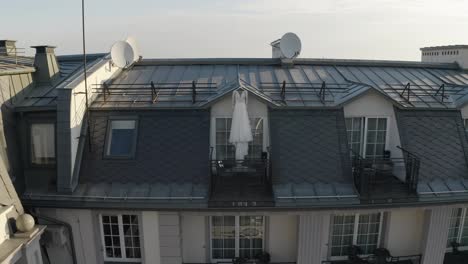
(241, 133)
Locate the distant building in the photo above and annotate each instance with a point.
(345, 152)
(16, 246)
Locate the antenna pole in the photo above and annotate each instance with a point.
(85, 72)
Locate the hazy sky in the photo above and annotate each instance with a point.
(359, 29)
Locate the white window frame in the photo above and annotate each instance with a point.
(460, 228)
(53, 160)
(355, 233)
(236, 236)
(121, 237)
(108, 140)
(213, 132)
(364, 138)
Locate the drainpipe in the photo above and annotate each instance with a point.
(69, 230)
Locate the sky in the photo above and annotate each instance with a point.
(342, 29)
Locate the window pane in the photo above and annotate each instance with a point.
(250, 235)
(223, 237)
(376, 136)
(455, 226)
(342, 234)
(225, 150)
(130, 248)
(354, 130)
(111, 237)
(368, 232)
(121, 138)
(43, 144)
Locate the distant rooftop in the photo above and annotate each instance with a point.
(445, 47)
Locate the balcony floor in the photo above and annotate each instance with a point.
(388, 188)
(240, 190)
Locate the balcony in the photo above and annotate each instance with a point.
(241, 183)
(386, 179)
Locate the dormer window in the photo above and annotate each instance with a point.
(121, 138)
(42, 144)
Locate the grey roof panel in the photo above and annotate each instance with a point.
(171, 155)
(443, 162)
(309, 153)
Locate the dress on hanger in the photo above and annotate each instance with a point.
(241, 133)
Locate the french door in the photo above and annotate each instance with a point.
(367, 136)
(236, 236)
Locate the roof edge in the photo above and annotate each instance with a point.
(297, 61)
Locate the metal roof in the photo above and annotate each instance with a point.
(16, 64)
(193, 83)
(46, 95)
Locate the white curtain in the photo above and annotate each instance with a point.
(43, 142)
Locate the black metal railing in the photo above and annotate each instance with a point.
(248, 171)
(369, 172)
(412, 164)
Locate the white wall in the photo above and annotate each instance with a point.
(150, 236)
(97, 74)
(223, 109)
(282, 237)
(169, 238)
(434, 243)
(405, 231)
(194, 234)
(464, 112)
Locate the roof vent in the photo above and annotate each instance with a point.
(446, 54)
(7, 47)
(46, 64)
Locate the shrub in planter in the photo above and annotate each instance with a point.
(239, 261)
(263, 258)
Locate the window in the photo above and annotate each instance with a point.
(121, 237)
(236, 236)
(362, 230)
(225, 150)
(121, 138)
(355, 133)
(371, 131)
(43, 144)
(458, 228)
(376, 137)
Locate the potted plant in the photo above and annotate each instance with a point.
(263, 257)
(239, 260)
(455, 246)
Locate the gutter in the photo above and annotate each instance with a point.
(115, 197)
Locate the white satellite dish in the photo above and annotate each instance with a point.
(290, 45)
(122, 54)
(136, 52)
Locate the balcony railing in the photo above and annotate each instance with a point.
(240, 183)
(381, 178)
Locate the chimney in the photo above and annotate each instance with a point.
(7, 47)
(275, 49)
(47, 68)
(446, 54)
